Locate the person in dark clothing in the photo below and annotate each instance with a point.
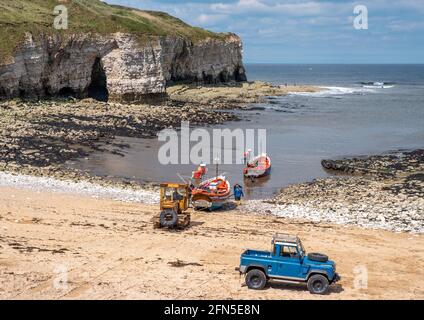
(238, 192)
(177, 196)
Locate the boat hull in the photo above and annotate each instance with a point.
(258, 167)
(204, 200)
(208, 205)
(252, 173)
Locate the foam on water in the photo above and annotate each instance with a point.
(334, 91)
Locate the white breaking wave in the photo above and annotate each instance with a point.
(378, 86)
(333, 91)
(79, 188)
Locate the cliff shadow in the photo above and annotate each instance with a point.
(98, 86)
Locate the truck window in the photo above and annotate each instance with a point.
(288, 252)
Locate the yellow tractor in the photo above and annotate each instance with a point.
(174, 201)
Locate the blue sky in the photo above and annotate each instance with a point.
(308, 31)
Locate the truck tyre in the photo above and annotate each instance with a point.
(255, 279)
(317, 257)
(318, 284)
(168, 218)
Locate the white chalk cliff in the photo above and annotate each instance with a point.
(117, 65)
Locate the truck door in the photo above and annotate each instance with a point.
(273, 264)
(289, 262)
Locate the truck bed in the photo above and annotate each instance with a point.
(256, 254)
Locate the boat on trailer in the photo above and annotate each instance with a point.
(211, 194)
(259, 166)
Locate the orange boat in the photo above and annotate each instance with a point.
(259, 166)
(211, 194)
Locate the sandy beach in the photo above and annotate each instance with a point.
(116, 121)
(69, 235)
(63, 246)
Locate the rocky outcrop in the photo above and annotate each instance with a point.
(51, 65)
(384, 166)
(379, 191)
(118, 66)
(207, 61)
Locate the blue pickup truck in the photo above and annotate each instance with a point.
(288, 262)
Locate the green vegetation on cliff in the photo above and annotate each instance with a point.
(86, 16)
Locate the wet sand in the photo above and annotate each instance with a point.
(111, 251)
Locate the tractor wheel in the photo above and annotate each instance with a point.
(318, 284)
(256, 279)
(168, 218)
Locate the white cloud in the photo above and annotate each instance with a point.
(240, 6)
(403, 26)
(299, 8)
(400, 4)
(208, 19)
(299, 24)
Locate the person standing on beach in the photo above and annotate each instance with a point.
(238, 193)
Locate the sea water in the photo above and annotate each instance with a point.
(349, 117)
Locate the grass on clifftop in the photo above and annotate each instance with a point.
(86, 16)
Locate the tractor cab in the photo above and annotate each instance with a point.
(174, 201)
(174, 196)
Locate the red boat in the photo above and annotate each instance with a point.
(257, 167)
(211, 194)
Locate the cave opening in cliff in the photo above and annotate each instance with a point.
(98, 86)
(66, 92)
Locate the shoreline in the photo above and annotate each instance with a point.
(382, 191)
(81, 188)
(48, 133)
(105, 246)
(238, 96)
(365, 201)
